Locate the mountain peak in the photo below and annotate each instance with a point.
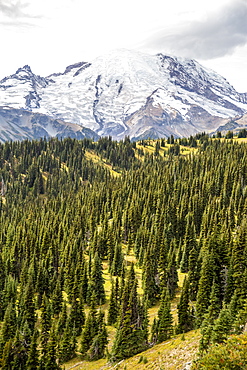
(126, 92)
(25, 68)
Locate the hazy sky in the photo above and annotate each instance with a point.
(48, 35)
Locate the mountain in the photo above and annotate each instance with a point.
(129, 93)
(20, 124)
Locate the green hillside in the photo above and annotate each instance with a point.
(121, 254)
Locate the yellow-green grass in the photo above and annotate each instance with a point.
(184, 150)
(90, 155)
(170, 355)
(240, 140)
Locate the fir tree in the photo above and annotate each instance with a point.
(49, 362)
(9, 326)
(113, 306)
(7, 356)
(131, 336)
(99, 343)
(185, 319)
(204, 287)
(90, 329)
(76, 318)
(165, 320)
(33, 355)
(222, 326)
(45, 328)
(67, 345)
(97, 281)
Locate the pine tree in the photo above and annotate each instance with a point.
(210, 317)
(27, 307)
(154, 332)
(67, 345)
(113, 306)
(97, 281)
(185, 319)
(76, 318)
(7, 356)
(45, 328)
(165, 320)
(33, 356)
(162, 265)
(204, 287)
(222, 326)
(189, 243)
(193, 275)
(57, 299)
(116, 265)
(131, 336)
(9, 326)
(172, 275)
(62, 320)
(99, 343)
(149, 281)
(90, 329)
(50, 359)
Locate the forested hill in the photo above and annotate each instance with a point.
(94, 235)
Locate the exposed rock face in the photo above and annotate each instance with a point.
(129, 93)
(20, 124)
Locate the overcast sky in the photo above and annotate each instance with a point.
(48, 35)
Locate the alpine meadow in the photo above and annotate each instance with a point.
(109, 249)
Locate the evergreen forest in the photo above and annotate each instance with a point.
(93, 235)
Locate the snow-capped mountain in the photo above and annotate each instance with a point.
(129, 93)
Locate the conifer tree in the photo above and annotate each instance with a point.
(149, 278)
(210, 317)
(67, 345)
(49, 361)
(99, 343)
(113, 306)
(172, 275)
(189, 243)
(154, 332)
(162, 265)
(45, 327)
(62, 320)
(9, 325)
(90, 329)
(131, 336)
(185, 319)
(33, 355)
(84, 283)
(222, 326)
(76, 318)
(116, 265)
(97, 281)
(165, 320)
(7, 356)
(204, 287)
(27, 307)
(193, 275)
(57, 299)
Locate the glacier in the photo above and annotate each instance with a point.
(129, 93)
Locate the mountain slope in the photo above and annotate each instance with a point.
(129, 93)
(20, 124)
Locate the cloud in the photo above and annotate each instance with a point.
(15, 14)
(218, 35)
(13, 9)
